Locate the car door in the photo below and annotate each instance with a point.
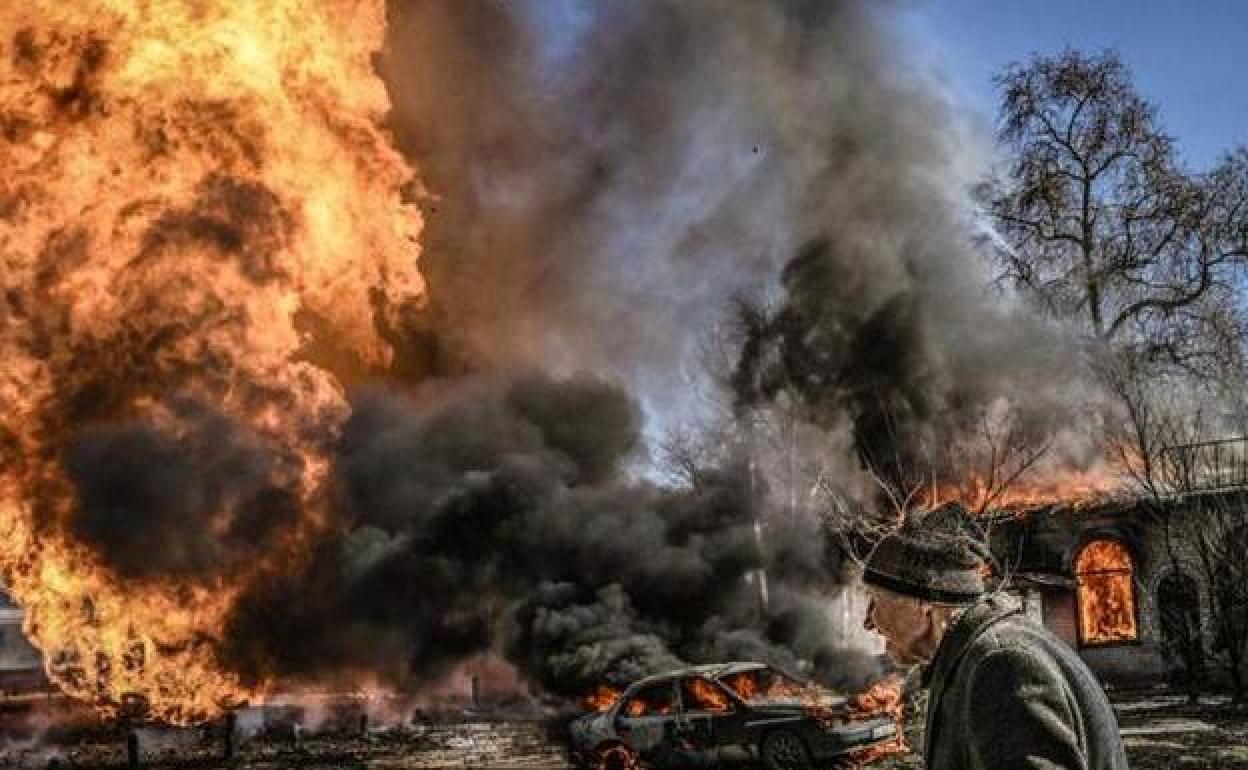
(646, 720)
(710, 723)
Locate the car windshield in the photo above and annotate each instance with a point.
(763, 684)
(656, 700)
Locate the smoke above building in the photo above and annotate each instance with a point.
(611, 180)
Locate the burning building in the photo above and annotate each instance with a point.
(1140, 588)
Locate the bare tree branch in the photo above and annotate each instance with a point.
(1103, 224)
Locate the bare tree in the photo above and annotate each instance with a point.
(1100, 223)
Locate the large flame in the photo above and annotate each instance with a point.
(602, 698)
(884, 698)
(189, 187)
(1070, 487)
(1106, 593)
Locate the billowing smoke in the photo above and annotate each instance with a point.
(612, 182)
(497, 515)
(609, 176)
(600, 183)
(933, 384)
(195, 499)
(605, 179)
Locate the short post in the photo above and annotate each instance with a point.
(231, 722)
(132, 750)
(364, 724)
(476, 692)
(296, 736)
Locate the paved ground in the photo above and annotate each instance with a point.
(1171, 733)
(1159, 732)
(509, 746)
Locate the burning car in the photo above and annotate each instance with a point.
(723, 712)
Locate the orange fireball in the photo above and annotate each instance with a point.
(190, 187)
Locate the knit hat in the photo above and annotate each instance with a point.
(938, 568)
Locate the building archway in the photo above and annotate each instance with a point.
(1105, 593)
(1178, 618)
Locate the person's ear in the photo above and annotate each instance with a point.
(929, 615)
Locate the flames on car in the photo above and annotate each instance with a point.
(731, 711)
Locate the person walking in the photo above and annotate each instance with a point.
(1004, 693)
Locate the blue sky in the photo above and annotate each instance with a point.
(1189, 58)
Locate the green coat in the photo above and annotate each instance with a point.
(1008, 695)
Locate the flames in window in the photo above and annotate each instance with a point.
(701, 695)
(602, 698)
(763, 685)
(1106, 593)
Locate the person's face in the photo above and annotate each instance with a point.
(906, 625)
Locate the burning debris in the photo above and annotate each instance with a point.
(885, 697)
(602, 698)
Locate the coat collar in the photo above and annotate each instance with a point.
(970, 624)
(977, 619)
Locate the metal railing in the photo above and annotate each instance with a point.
(1208, 466)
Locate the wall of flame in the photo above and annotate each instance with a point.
(189, 188)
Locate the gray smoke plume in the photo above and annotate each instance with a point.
(608, 175)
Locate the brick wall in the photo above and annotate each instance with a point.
(1140, 663)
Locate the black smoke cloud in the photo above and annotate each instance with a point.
(476, 519)
(193, 498)
(929, 386)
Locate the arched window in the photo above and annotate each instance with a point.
(1106, 593)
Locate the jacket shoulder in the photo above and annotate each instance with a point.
(1019, 646)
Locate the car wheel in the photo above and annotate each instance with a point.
(613, 756)
(784, 750)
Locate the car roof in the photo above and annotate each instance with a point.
(710, 670)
